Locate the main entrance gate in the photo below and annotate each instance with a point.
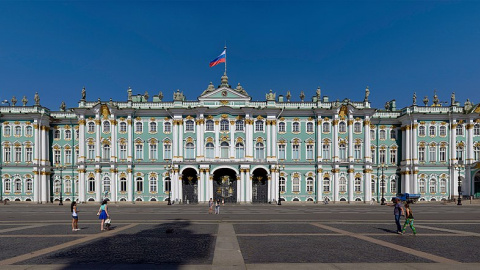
(225, 186)
(190, 186)
(259, 186)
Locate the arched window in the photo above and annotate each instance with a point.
(382, 134)
(68, 186)
(106, 152)
(393, 134)
(210, 150)
(56, 134)
(326, 127)
(91, 127)
(153, 127)
(123, 127)
(259, 125)
(342, 127)
(167, 185)
(281, 127)
(167, 127)
(18, 186)
(91, 184)
(476, 130)
(421, 153)
(433, 186)
(123, 184)
(357, 127)
(309, 184)
(326, 150)
(296, 127)
(443, 131)
(372, 134)
(432, 153)
(7, 131)
(358, 184)
(106, 126)
(443, 185)
(239, 125)
(239, 150)
(224, 150)
(343, 151)
(56, 186)
(8, 185)
(393, 186)
(224, 125)
(421, 131)
(421, 185)
(357, 151)
(326, 184)
(68, 134)
(29, 184)
(310, 127)
(139, 184)
(106, 185)
(260, 151)
(189, 125)
(342, 184)
(282, 184)
(476, 152)
(190, 151)
(153, 184)
(431, 131)
(29, 131)
(18, 131)
(209, 125)
(443, 154)
(296, 184)
(459, 130)
(373, 186)
(138, 127)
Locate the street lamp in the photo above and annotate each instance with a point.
(169, 186)
(459, 166)
(280, 169)
(61, 168)
(382, 183)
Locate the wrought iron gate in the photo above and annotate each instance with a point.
(225, 188)
(260, 190)
(190, 190)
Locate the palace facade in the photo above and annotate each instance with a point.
(226, 146)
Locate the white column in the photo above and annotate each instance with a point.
(114, 144)
(209, 184)
(130, 188)
(98, 186)
(217, 139)
(130, 142)
(113, 183)
(248, 186)
(36, 162)
(367, 142)
(232, 140)
(81, 184)
(350, 139)
(181, 145)
(335, 153)
(273, 143)
(453, 159)
(98, 143)
(175, 141)
(269, 138)
(239, 188)
(199, 144)
(249, 140)
(319, 141)
(242, 186)
(367, 183)
(335, 179)
(351, 185)
(269, 183)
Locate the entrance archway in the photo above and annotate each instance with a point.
(225, 185)
(476, 187)
(190, 186)
(260, 186)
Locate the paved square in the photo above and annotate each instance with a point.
(241, 237)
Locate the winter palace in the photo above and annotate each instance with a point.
(225, 146)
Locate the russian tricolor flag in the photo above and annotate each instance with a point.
(222, 58)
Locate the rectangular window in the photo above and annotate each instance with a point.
(296, 184)
(153, 151)
(68, 156)
(139, 185)
(433, 154)
(56, 156)
(281, 151)
(421, 154)
(326, 151)
(18, 154)
(358, 151)
(381, 156)
(167, 151)
(91, 152)
(28, 154)
(138, 151)
(295, 152)
(123, 151)
(393, 156)
(309, 185)
(310, 152)
(443, 154)
(282, 184)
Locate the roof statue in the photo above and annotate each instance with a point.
(129, 91)
(270, 96)
(84, 93)
(160, 95)
(367, 93)
(178, 96)
(209, 89)
(24, 101)
(387, 105)
(288, 96)
(468, 105)
(425, 100)
(414, 99)
(14, 101)
(319, 92)
(63, 106)
(37, 99)
(436, 101)
(241, 90)
(452, 99)
(146, 96)
(302, 96)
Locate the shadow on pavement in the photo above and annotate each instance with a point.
(169, 245)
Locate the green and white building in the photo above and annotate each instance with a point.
(224, 145)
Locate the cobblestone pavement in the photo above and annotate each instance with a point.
(152, 236)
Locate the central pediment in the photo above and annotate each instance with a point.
(224, 92)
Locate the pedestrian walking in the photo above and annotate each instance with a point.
(325, 201)
(398, 212)
(408, 219)
(73, 208)
(217, 207)
(103, 214)
(210, 206)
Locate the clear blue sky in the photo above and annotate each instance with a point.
(396, 48)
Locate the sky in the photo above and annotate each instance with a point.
(395, 48)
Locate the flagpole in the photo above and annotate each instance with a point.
(225, 58)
